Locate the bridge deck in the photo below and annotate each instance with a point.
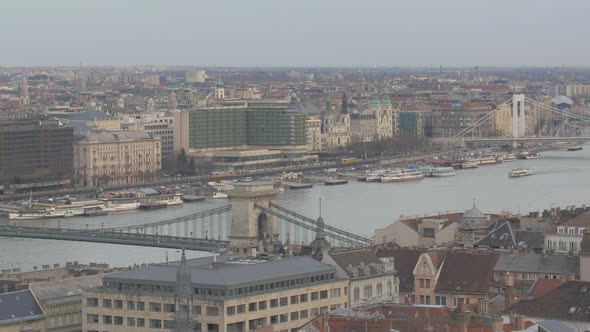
(112, 237)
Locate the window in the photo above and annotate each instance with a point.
(118, 304)
(437, 300)
(141, 322)
(155, 307)
(303, 298)
(335, 292)
(197, 310)
(315, 296)
(427, 283)
(118, 320)
(252, 306)
(107, 319)
(169, 307)
(324, 294)
(130, 305)
(130, 321)
(303, 314)
(428, 232)
(421, 283)
(241, 308)
(560, 230)
(274, 319)
(315, 312)
(294, 299)
(262, 305)
(155, 324)
(274, 303)
(107, 303)
(140, 305)
(357, 294)
(427, 299)
(168, 324)
(284, 318)
(92, 318)
(284, 301)
(92, 302)
(421, 299)
(295, 315)
(231, 311)
(212, 311)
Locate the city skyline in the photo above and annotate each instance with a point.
(300, 34)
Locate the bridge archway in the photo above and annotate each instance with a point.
(249, 224)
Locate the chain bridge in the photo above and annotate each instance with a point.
(252, 218)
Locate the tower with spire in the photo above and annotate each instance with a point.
(24, 91)
(183, 321)
(319, 244)
(219, 89)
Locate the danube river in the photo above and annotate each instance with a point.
(561, 178)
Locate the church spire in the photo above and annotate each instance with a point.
(183, 319)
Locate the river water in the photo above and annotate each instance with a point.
(561, 178)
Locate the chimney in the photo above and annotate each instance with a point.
(482, 306)
(508, 289)
(498, 324)
(517, 321)
(465, 320)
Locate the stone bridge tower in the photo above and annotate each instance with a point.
(250, 226)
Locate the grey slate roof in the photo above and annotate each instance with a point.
(361, 261)
(530, 239)
(501, 237)
(50, 292)
(535, 263)
(473, 213)
(19, 306)
(555, 326)
(228, 275)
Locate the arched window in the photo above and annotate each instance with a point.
(389, 291)
(357, 294)
(379, 289)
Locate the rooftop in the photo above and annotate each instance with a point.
(19, 306)
(228, 275)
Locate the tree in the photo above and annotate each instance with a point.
(191, 167)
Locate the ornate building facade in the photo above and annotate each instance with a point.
(116, 158)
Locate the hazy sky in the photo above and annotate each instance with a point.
(295, 32)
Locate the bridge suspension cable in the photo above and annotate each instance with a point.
(481, 120)
(190, 217)
(557, 110)
(310, 224)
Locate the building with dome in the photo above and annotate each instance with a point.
(473, 226)
(376, 121)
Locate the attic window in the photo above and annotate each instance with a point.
(572, 310)
(504, 236)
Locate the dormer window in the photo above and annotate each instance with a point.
(571, 230)
(560, 230)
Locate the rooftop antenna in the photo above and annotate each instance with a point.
(320, 206)
(473, 202)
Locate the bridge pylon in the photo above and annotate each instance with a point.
(251, 227)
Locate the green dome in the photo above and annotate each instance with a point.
(386, 101)
(375, 100)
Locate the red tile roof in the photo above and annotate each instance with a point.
(543, 286)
